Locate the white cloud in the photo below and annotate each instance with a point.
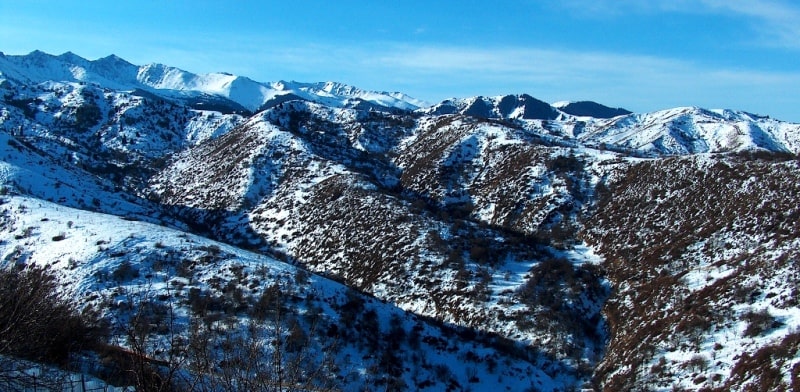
(777, 22)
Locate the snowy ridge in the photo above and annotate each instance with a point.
(677, 131)
(341, 95)
(693, 130)
(666, 132)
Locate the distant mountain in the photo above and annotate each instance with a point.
(114, 72)
(667, 132)
(522, 107)
(503, 107)
(358, 240)
(692, 130)
(590, 109)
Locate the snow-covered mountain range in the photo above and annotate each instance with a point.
(474, 243)
(116, 73)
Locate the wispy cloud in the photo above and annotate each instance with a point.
(605, 8)
(525, 63)
(777, 21)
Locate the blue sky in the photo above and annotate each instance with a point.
(638, 54)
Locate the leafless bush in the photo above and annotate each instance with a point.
(38, 323)
(759, 322)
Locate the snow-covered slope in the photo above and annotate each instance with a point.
(125, 267)
(543, 236)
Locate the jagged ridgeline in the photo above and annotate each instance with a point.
(237, 235)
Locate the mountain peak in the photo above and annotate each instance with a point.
(71, 57)
(590, 109)
(112, 59)
(38, 53)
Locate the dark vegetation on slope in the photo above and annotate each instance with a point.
(372, 229)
